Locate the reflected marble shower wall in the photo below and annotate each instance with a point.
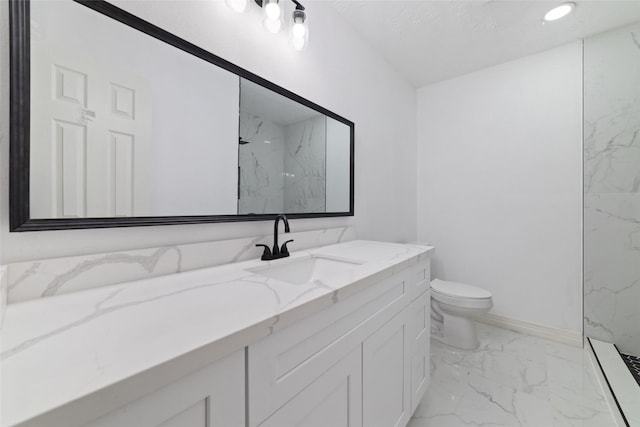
(261, 165)
(305, 166)
(612, 188)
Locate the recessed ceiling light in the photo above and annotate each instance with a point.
(559, 11)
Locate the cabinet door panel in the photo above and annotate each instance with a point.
(385, 375)
(419, 322)
(211, 397)
(334, 399)
(420, 278)
(283, 364)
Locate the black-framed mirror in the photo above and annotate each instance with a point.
(116, 122)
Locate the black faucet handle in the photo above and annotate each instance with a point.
(284, 251)
(266, 254)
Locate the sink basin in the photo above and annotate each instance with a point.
(305, 270)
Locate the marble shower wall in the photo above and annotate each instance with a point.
(612, 188)
(261, 165)
(282, 168)
(50, 277)
(305, 166)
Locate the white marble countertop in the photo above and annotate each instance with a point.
(98, 349)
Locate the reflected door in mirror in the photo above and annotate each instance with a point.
(91, 130)
(125, 125)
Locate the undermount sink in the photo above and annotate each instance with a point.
(305, 270)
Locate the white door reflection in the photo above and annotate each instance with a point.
(90, 138)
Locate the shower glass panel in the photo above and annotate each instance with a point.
(612, 188)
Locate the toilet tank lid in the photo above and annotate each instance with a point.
(460, 290)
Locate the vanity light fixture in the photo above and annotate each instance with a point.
(559, 12)
(272, 19)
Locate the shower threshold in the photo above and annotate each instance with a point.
(625, 391)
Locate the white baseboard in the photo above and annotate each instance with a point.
(554, 334)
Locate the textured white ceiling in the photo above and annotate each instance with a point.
(428, 41)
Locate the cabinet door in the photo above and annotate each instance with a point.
(419, 327)
(284, 363)
(385, 375)
(334, 399)
(211, 397)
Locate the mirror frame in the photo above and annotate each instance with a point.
(19, 155)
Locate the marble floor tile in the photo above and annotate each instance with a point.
(513, 379)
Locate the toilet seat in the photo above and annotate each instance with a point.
(460, 295)
(459, 290)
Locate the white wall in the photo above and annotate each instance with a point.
(499, 184)
(337, 70)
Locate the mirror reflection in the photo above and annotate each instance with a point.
(292, 158)
(123, 124)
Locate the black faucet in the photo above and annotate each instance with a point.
(277, 252)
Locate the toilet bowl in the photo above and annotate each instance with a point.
(455, 306)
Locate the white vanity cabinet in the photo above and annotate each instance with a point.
(349, 351)
(361, 362)
(210, 397)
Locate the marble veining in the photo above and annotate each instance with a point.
(512, 380)
(45, 278)
(283, 166)
(612, 187)
(148, 263)
(305, 166)
(101, 308)
(79, 345)
(261, 165)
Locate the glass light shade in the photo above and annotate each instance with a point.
(298, 43)
(272, 25)
(272, 10)
(559, 11)
(298, 30)
(299, 34)
(237, 5)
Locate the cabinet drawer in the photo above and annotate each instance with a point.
(281, 365)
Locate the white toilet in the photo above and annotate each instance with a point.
(454, 307)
